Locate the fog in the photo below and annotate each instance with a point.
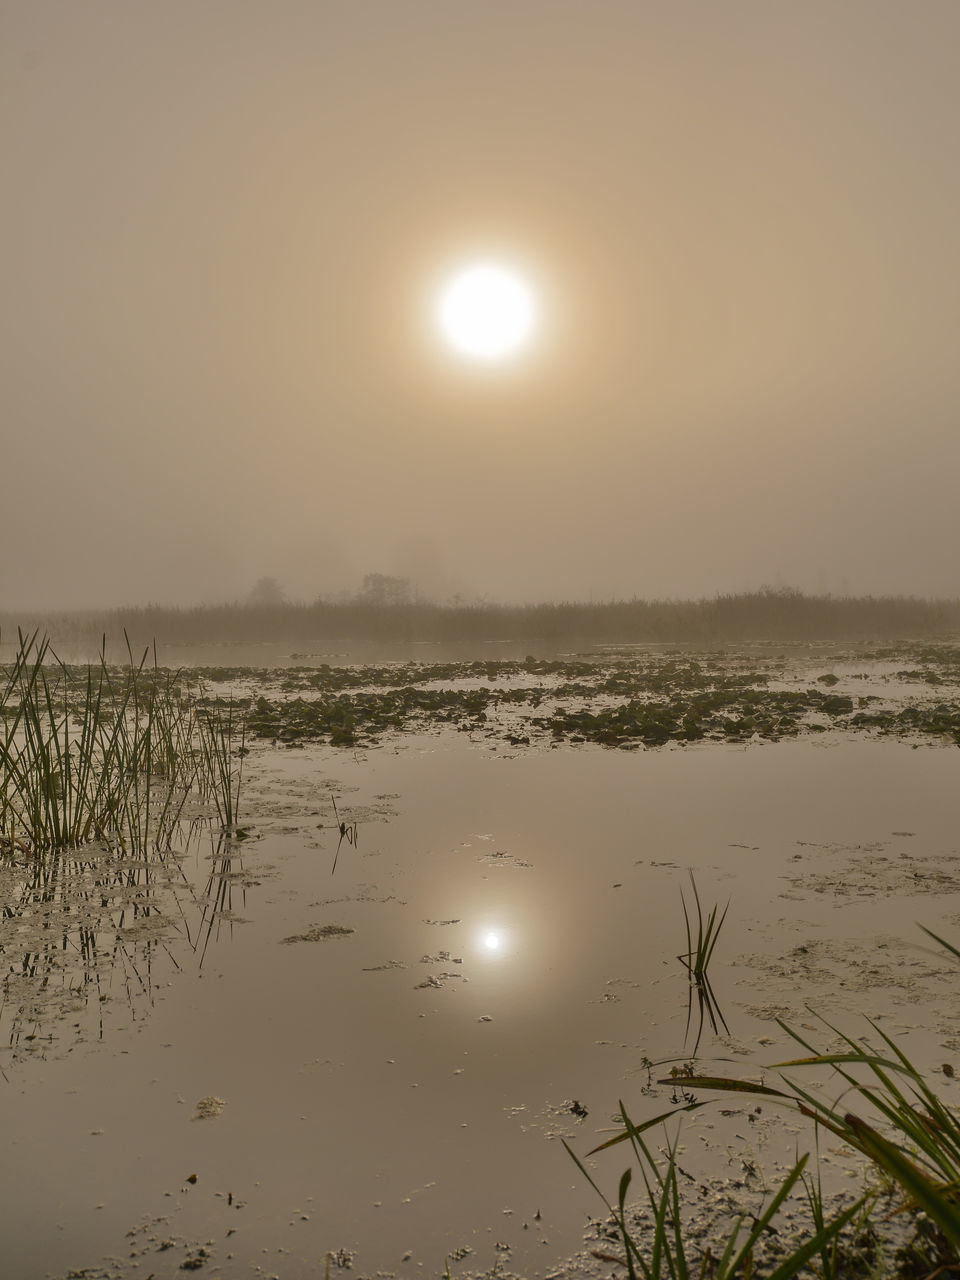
(222, 229)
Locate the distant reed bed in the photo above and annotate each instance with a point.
(767, 614)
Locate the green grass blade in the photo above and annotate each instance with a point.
(798, 1260)
(921, 1189)
(722, 1084)
(648, 1124)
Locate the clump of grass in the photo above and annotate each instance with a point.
(664, 1253)
(78, 754)
(104, 753)
(222, 730)
(911, 1138)
(696, 960)
(698, 955)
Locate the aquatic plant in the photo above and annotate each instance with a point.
(922, 1153)
(216, 898)
(105, 753)
(916, 1143)
(663, 1251)
(79, 753)
(912, 1137)
(660, 698)
(698, 955)
(348, 832)
(222, 734)
(696, 959)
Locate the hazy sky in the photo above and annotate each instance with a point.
(224, 222)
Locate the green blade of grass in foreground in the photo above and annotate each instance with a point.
(667, 1253)
(724, 1085)
(925, 1193)
(648, 1124)
(947, 946)
(835, 1059)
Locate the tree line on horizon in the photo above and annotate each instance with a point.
(388, 611)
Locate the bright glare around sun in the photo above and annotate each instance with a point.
(487, 312)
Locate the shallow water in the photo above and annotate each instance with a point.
(400, 1089)
(275, 654)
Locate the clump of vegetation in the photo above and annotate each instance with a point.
(222, 734)
(96, 766)
(644, 700)
(907, 1135)
(697, 959)
(106, 753)
(663, 1252)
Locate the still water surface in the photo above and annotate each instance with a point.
(397, 1092)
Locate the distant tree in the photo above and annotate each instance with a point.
(266, 591)
(381, 589)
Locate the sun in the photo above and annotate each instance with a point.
(487, 312)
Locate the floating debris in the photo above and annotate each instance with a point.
(319, 933)
(500, 858)
(208, 1108)
(438, 980)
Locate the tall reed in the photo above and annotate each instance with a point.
(222, 736)
(105, 753)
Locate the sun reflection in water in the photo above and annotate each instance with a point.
(491, 941)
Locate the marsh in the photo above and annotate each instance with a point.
(399, 1029)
